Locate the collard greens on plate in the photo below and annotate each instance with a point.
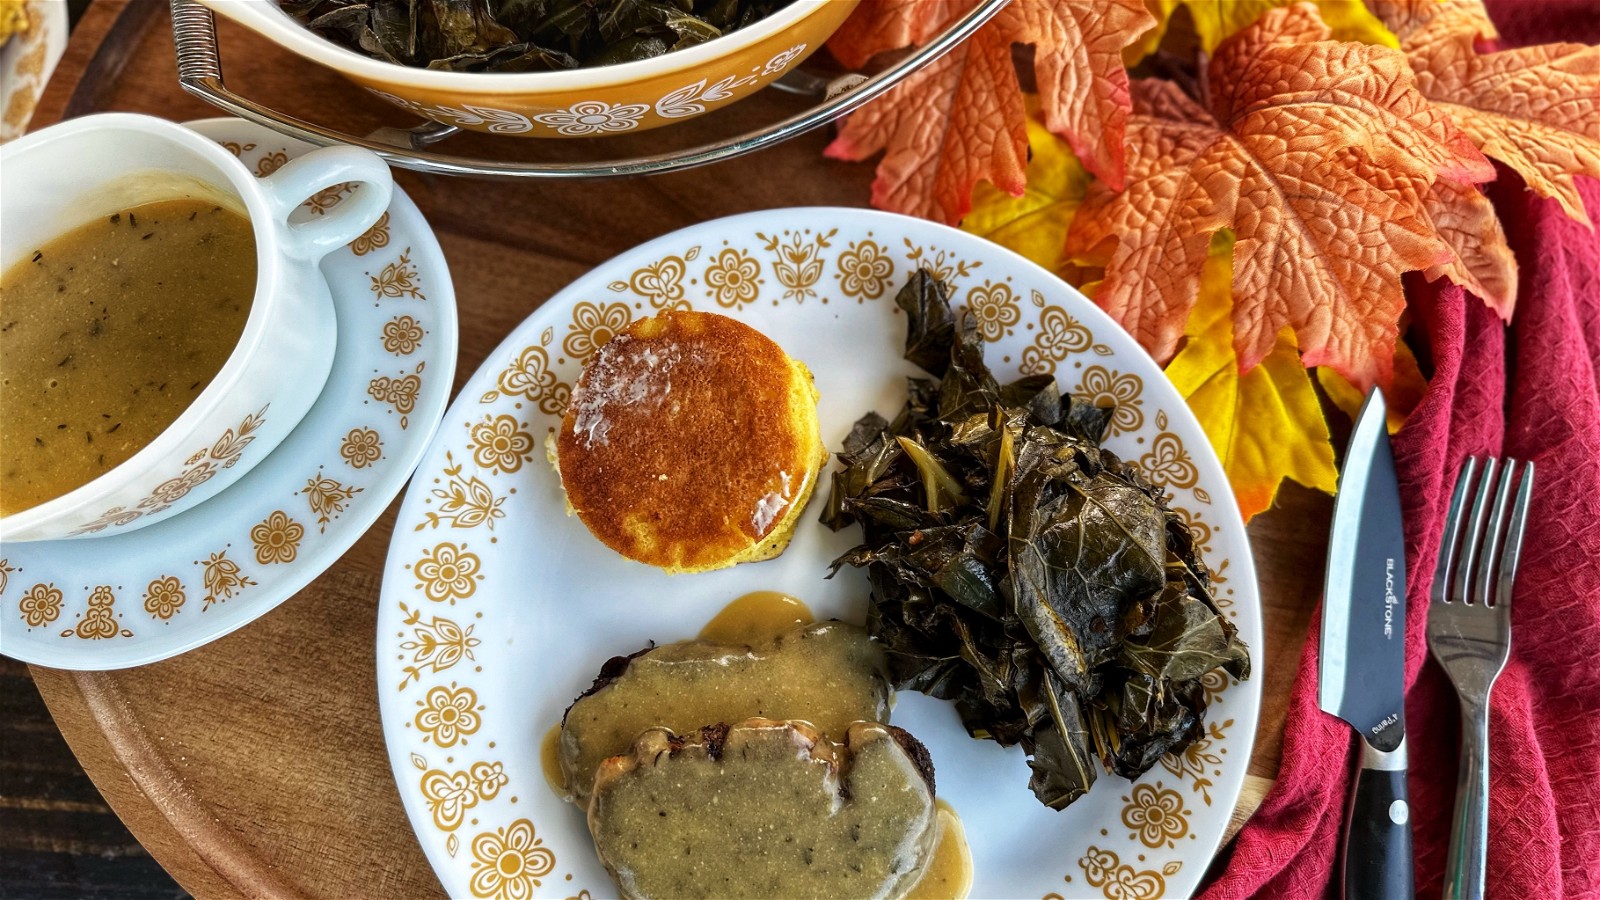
(1024, 572)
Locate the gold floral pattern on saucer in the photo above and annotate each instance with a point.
(157, 591)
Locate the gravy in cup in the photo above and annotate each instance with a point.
(164, 323)
(108, 333)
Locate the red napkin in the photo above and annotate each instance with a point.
(1531, 392)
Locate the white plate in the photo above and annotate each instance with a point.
(130, 599)
(498, 609)
(26, 63)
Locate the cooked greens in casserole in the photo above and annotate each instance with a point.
(522, 35)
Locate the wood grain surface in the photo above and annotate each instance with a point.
(255, 766)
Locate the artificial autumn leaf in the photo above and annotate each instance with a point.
(1265, 424)
(1034, 224)
(1483, 262)
(1315, 153)
(961, 120)
(1536, 109)
(1402, 397)
(1215, 20)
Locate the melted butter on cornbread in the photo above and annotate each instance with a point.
(691, 443)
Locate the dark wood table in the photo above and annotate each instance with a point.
(255, 765)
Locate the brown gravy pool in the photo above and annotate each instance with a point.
(107, 334)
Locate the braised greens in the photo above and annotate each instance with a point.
(1024, 572)
(522, 35)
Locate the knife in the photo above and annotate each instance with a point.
(1361, 671)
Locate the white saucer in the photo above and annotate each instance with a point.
(126, 600)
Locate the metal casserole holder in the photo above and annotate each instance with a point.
(200, 73)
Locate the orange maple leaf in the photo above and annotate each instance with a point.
(1536, 109)
(1316, 153)
(1482, 260)
(962, 119)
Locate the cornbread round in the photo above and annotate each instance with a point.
(691, 443)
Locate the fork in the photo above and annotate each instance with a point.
(1469, 633)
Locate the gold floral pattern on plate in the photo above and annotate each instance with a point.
(1156, 815)
(164, 596)
(99, 619)
(593, 326)
(448, 573)
(661, 282)
(734, 278)
(399, 392)
(434, 646)
(530, 376)
(865, 270)
(1059, 335)
(223, 579)
(994, 306)
(40, 605)
(941, 264)
(467, 501)
(509, 862)
(374, 238)
(448, 715)
(451, 794)
(1214, 683)
(277, 538)
(500, 444)
(1201, 760)
(1168, 463)
(361, 448)
(6, 571)
(271, 162)
(797, 262)
(398, 279)
(319, 203)
(327, 498)
(1118, 880)
(402, 335)
(1120, 391)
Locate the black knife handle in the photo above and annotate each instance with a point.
(1377, 843)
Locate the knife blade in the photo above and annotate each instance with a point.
(1361, 667)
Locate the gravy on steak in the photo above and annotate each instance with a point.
(829, 674)
(766, 809)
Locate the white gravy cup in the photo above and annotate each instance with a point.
(64, 176)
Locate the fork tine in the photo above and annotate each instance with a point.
(1513, 545)
(1492, 546)
(1474, 536)
(1454, 521)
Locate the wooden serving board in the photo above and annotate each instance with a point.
(255, 766)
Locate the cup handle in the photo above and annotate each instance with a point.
(287, 188)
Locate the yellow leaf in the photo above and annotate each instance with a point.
(1266, 424)
(1034, 224)
(1402, 397)
(1215, 20)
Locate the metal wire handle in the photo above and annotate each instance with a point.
(200, 73)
